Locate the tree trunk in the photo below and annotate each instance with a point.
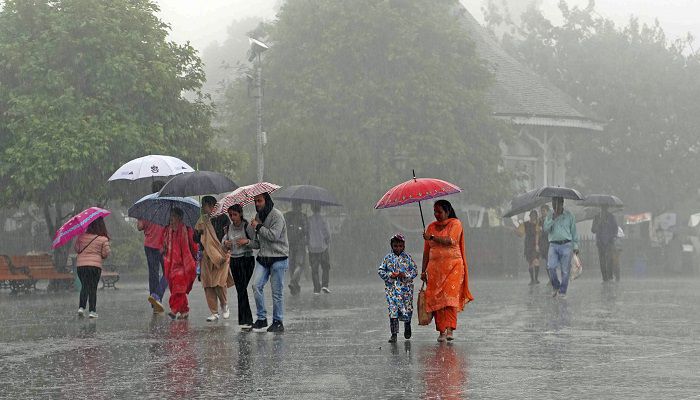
(53, 222)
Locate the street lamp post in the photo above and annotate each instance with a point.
(256, 49)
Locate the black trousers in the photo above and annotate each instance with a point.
(322, 260)
(242, 270)
(89, 278)
(297, 256)
(605, 257)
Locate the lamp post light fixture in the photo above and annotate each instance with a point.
(256, 49)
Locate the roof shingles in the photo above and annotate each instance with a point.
(517, 90)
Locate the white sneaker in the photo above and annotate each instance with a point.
(213, 318)
(81, 312)
(246, 327)
(92, 314)
(325, 290)
(226, 313)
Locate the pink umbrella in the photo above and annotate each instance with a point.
(244, 195)
(77, 224)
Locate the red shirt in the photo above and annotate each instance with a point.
(152, 234)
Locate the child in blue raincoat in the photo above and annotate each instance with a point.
(398, 270)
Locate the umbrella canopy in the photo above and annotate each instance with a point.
(307, 194)
(556, 191)
(151, 166)
(157, 209)
(196, 184)
(602, 200)
(588, 213)
(77, 224)
(244, 195)
(524, 203)
(415, 191)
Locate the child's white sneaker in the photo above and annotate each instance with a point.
(213, 318)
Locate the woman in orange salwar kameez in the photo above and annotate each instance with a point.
(179, 249)
(445, 269)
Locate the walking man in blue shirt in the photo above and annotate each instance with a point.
(560, 225)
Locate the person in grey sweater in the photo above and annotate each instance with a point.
(271, 263)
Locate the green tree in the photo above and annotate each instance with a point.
(359, 93)
(644, 87)
(356, 94)
(221, 60)
(86, 85)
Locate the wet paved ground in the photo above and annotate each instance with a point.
(635, 339)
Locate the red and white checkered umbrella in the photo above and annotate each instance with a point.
(244, 195)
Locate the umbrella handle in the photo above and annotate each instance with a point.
(421, 215)
(419, 206)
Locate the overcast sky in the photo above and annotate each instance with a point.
(204, 21)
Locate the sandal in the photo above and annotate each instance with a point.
(441, 338)
(449, 335)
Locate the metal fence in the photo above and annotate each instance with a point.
(491, 252)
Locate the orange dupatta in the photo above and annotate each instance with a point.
(448, 275)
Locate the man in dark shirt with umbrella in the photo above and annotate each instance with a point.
(605, 229)
(298, 234)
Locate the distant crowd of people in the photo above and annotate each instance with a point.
(551, 238)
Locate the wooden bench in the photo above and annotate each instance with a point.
(13, 278)
(41, 267)
(109, 276)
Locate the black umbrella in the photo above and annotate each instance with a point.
(602, 200)
(307, 194)
(524, 203)
(588, 213)
(556, 191)
(157, 209)
(197, 183)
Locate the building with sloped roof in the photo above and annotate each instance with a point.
(542, 115)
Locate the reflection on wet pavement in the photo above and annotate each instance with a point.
(635, 339)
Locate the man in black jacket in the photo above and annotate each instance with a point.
(297, 232)
(605, 229)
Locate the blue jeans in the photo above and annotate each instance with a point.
(276, 275)
(156, 285)
(560, 256)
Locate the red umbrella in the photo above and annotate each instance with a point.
(416, 190)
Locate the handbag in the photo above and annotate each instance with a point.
(576, 267)
(424, 317)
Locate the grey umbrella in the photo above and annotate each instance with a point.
(602, 200)
(307, 194)
(556, 191)
(524, 203)
(588, 213)
(197, 183)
